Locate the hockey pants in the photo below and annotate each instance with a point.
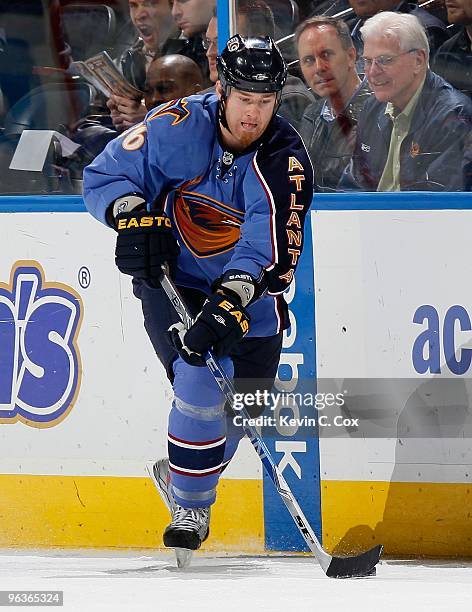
(202, 437)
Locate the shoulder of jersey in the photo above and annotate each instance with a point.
(282, 138)
(196, 113)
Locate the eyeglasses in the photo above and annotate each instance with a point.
(383, 61)
(208, 42)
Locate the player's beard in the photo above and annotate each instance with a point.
(240, 139)
(246, 139)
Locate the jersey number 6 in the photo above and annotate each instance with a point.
(134, 139)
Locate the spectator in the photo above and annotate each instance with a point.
(210, 43)
(168, 77)
(192, 18)
(255, 18)
(171, 77)
(125, 111)
(453, 60)
(411, 132)
(328, 127)
(153, 22)
(435, 29)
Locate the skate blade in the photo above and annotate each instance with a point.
(183, 556)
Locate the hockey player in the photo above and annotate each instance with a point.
(217, 187)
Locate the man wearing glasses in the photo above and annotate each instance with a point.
(411, 133)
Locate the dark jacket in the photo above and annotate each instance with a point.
(432, 153)
(330, 143)
(295, 99)
(133, 65)
(467, 165)
(453, 61)
(192, 48)
(436, 29)
(133, 60)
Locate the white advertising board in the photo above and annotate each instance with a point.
(394, 301)
(89, 397)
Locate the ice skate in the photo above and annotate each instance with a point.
(159, 474)
(190, 527)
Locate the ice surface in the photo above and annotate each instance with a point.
(119, 581)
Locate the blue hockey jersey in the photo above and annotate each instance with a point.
(228, 211)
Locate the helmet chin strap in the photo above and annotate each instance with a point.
(222, 110)
(278, 102)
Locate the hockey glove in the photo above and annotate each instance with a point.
(221, 323)
(240, 286)
(145, 242)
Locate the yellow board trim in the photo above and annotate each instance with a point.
(118, 512)
(410, 519)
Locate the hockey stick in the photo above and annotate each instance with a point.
(334, 567)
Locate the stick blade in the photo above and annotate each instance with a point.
(355, 567)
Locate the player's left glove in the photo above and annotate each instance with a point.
(221, 323)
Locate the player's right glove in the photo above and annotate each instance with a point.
(221, 323)
(145, 240)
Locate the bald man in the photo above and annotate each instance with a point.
(170, 77)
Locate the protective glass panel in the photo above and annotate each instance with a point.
(367, 91)
(74, 75)
(375, 117)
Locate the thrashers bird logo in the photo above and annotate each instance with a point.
(176, 108)
(206, 226)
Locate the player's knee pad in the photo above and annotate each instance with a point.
(196, 393)
(197, 434)
(196, 445)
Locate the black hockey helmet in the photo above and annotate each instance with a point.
(251, 64)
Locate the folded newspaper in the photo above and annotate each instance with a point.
(101, 72)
